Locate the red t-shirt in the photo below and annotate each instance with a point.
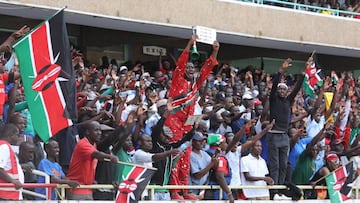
(223, 165)
(3, 78)
(83, 165)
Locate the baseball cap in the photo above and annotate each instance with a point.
(332, 157)
(282, 85)
(198, 136)
(247, 96)
(123, 68)
(146, 74)
(215, 139)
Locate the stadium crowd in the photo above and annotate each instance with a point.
(197, 122)
(330, 7)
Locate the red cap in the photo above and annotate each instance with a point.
(332, 157)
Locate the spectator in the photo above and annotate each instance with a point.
(184, 82)
(84, 160)
(254, 172)
(154, 118)
(222, 173)
(26, 158)
(200, 163)
(53, 169)
(298, 143)
(143, 156)
(233, 150)
(122, 150)
(8, 77)
(39, 153)
(277, 139)
(105, 170)
(160, 138)
(306, 166)
(20, 121)
(316, 120)
(10, 169)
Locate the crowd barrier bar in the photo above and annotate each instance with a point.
(152, 188)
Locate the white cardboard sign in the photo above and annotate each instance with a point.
(206, 35)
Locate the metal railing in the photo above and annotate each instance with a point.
(152, 188)
(303, 7)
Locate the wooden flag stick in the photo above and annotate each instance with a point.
(131, 164)
(312, 54)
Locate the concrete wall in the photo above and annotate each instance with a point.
(230, 16)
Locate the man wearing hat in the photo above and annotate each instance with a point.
(184, 93)
(247, 106)
(104, 173)
(155, 117)
(160, 138)
(278, 139)
(222, 173)
(200, 162)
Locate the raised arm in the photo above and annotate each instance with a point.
(252, 141)
(333, 102)
(239, 134)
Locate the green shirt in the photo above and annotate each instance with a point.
(124, 157)
(305, 168)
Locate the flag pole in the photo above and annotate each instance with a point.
(131, 164)
(47, 19)
(320, 179)
(312, 54)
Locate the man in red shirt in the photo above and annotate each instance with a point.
(184, 93)
(84, 160)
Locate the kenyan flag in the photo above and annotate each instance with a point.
(48, 76)
(134, 180)
(339, 183)
(312, 80)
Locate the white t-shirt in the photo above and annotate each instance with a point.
(312, 129)
(255, 167)
(356, 165)
(143, 158)
(234, 163)
(5, 163)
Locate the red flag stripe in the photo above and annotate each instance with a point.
(52, 97)
(135, 174)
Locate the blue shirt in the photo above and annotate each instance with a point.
(52, 169)
(298, 148)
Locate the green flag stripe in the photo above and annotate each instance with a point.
(24, 52)
(126, 171)
(335, 196)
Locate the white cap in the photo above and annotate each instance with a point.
(146, 74)
(123, 68)
(283, 85)
(247, 96)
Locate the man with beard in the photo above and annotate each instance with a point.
(184, 94)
